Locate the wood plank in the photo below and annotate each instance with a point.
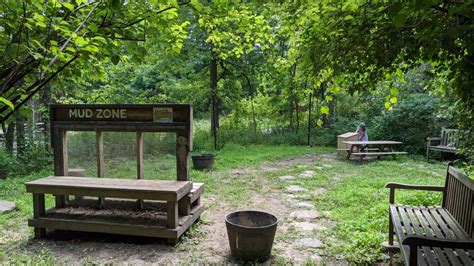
(172, 214)
(196, 191)
(99, 145)
(39, 211)
(103, 227)
(450, 234)
(184, 206)
(379, 153)
(112, 187)
(139, 155)
(428, 231)
(182, 156)
(374, 142)
(419, 231)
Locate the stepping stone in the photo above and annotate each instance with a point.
(6, 206)
(300, 196)
(287, 177)
(319, 191)
(309, 243)
(304, 204)
(308, 227)
(308, 173)
(293, 189)
(304, 214)
(316, 258)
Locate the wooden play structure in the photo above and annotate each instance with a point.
(155, 208)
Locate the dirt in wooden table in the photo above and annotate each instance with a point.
(206, 243)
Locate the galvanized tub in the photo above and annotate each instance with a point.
(251, 234)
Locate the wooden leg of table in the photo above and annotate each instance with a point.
(172, 214)
(38, 211)
(349, 152)
(184, 206)
(60, 201)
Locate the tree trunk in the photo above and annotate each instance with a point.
(214, 100)
(20, 135)
(9, 136)
(309, 117)
(45, 100)
(297, 115)
(292, 127)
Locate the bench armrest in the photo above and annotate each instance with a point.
(413, 187)
(437, 242)
(393, 186)
(433, 138)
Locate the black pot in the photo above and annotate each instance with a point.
(203, 161)
(251, 234)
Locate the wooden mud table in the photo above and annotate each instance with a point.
(380, 148)
(180, 201)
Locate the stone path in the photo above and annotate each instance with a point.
(6, 206)
(303, 223)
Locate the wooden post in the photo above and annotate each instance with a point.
(38, 211)
(182, 160)
(139, 155)
(172, 214)
(99, 143)
(184, 206)
(140, 161)
(60, 160)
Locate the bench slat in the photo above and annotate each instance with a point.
(380, 153)
(432, 222)
(419, 230)
(448, 231)
(111, 187)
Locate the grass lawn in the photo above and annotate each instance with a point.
(354, 198)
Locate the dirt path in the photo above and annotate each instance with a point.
(299, 236)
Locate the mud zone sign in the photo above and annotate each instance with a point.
(98, 113)
(163, 114)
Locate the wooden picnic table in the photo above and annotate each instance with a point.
(380, 148)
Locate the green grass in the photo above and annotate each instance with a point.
(356, 199)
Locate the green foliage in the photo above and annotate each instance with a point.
(411, 121)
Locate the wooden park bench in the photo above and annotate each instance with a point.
(156, 208)
(446, 143)
(436, 235)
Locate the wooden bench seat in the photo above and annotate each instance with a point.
(379, 153)
(431, 222)
(436, 235)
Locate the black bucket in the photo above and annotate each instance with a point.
(251, 234)
(204, 161)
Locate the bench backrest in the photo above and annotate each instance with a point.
(448, 137)
(459, 198)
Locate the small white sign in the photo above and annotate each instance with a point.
(163, 114)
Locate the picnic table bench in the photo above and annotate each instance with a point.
(171, 206)
(436, 235)
(380, 148)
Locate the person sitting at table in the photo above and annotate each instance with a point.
(362, 135)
